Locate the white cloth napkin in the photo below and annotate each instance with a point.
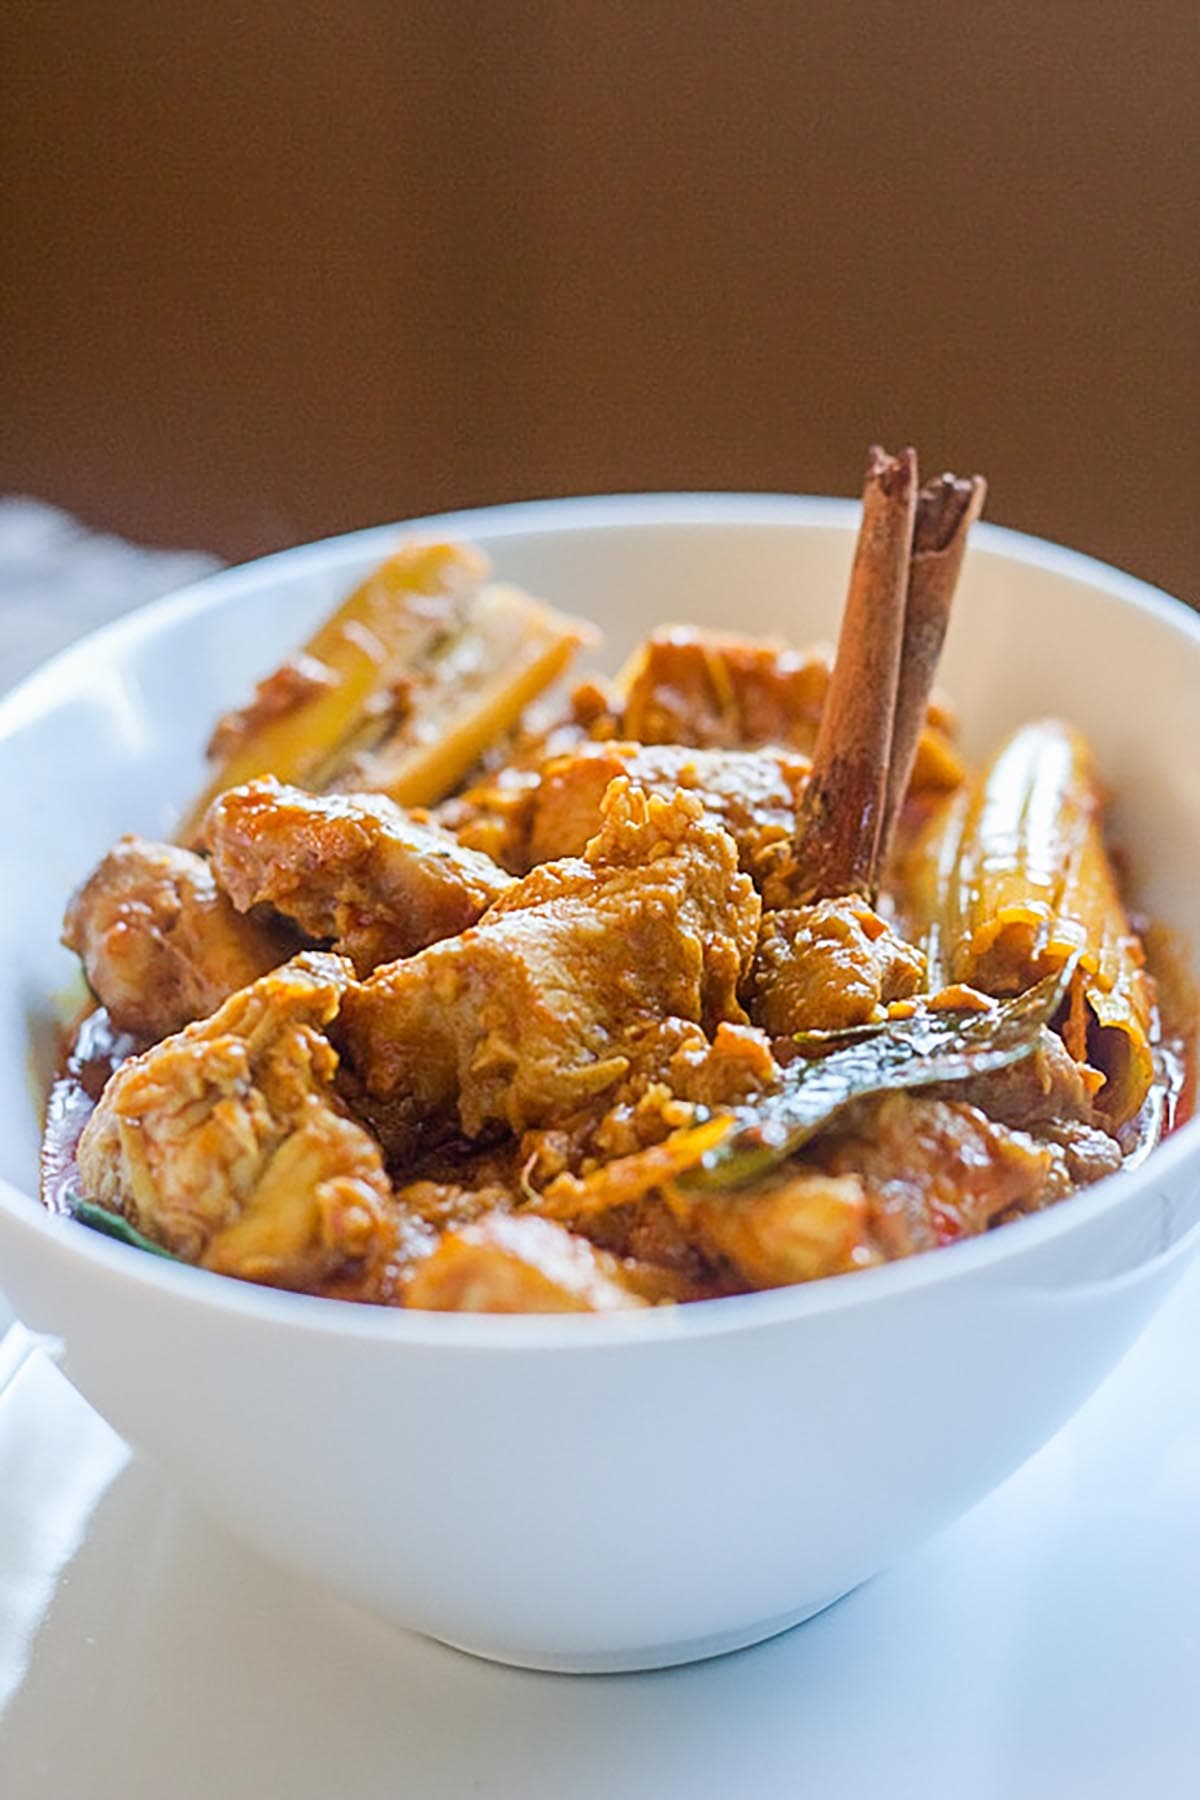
(59, 580)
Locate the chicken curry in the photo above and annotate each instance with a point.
(722, 976)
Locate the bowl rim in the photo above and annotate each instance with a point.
(210, 1292)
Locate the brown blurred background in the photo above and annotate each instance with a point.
(276, 269)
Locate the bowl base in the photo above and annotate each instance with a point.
(657, 1656)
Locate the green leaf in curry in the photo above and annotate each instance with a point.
(99, 1218)
(931, 1048)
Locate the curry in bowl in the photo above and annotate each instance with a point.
(724, 975)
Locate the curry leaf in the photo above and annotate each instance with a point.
(837, 1068)
(99, 1218)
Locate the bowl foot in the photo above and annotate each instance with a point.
(657, 1656)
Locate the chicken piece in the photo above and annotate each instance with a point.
(351, 868)
(911, 1174)
(934, 1170)
(659, 1259)
(527, 1017)
(677, 1075)
(716, 690)
(802, 1227)
(1080, 1154)
(449, 1205)
(545, 804)
(1049, 1097)
(1045, 1087)
(226, 1143)
(493, 816)
(829, 966)
(1052, 1098)
(754, 795)
(160, 943)
(691, 1076)
(503, 1264)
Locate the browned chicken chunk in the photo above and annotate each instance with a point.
(1045, 1086)
(351, 868)
(503, 1264)
(800, 1227)
(829, 966)
(935, 1170)
(753, 794)
(1052, 1098)
(160, 942)
(1079, 1155)
(227, 1145)
(913, 1173)
(718, 690)
(677, 1075)
(524, 1018)
(712, 688)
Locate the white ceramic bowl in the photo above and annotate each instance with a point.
(623, 1492)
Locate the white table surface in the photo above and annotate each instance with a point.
(1046, 1647)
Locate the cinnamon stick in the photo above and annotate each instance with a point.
(837, 849)
(946, 509)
